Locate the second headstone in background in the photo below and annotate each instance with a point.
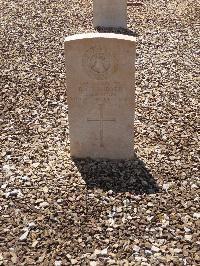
(110, 13)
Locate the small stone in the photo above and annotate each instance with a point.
(166, 186)
(35, 165)
(110, 192)
(4, 186)
(24, 178)
(14, 257)
(34, 244)
(31, 225)
(196, 215)
(188, 237)
(119, 209)
(44, 204)
(187, 229)
(155, 249)
(59, 200)
(148, 252)
(136, 248)
(14, 193)
(149, 218)
(45, 189)
(58, 263)
(138, 258)
(177, 250)
(194, 186)
(1, 259)
(24, 236)
(74, 261)
(6, 168)
(41, 258)
(104, 251)
(93, 263)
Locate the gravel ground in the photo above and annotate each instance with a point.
(55, 211)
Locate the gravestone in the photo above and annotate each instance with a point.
(110, 13)
(100, 71)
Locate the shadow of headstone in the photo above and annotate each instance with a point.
(117, 175)
(135, 4)
(117, 31)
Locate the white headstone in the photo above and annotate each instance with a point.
(110, 13)
(100, 70)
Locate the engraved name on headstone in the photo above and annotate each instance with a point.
(100, 70)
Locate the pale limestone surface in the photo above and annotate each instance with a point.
(110, 13)
(100, 70)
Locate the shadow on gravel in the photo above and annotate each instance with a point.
(117, 30)
(117, 175)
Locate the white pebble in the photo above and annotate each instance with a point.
(6, 168)
(136, 248)
(44, 204)
(58, 263)
(155, 249)
(188, 237)
(24, 236)
(196, 215)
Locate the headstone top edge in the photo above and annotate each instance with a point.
(115, 36)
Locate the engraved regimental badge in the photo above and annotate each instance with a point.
(98, 62)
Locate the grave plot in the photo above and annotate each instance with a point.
(57, 211)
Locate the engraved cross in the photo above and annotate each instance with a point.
(101, 121)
